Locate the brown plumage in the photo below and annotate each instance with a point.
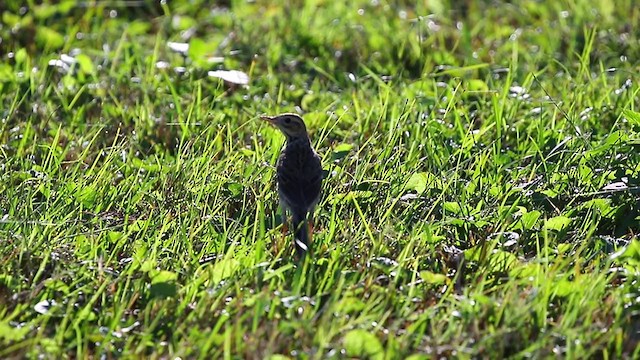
(298, 176)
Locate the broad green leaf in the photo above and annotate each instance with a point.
(49, 38)
(602, 205)
(417, 357)
(13, 333)
(477, 85)
(148, 265)
(350, 304)
(21, 56)
(632, 116)
(235, 188)
(151, 167)
(224, 269)
(564, 248)
(360, 343)
(197, 48)
(114, 236)
(341, 151)
(565, 287)
(433, 278)
(163, 283)
(530, 219)
(421, 181)
(85, 194)
(163, 289)
(452, 207)
(278, 357)
(557, 223)
(57, 285)
(86, 66)
(163, 276)
(615, 138)
(138, 27)
(44, 11)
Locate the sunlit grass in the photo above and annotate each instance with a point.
(481, 197)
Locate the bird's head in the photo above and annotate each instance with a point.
(290, 124)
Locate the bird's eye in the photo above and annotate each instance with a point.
(287, 120)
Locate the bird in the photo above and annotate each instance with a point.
(298, 176)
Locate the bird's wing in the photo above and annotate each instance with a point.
(300, 185)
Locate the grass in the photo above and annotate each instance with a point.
(481, 198)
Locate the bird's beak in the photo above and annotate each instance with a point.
(267, 118)
(270, 119)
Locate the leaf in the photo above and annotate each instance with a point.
(360, 343)
(45, 190)
(65, 6)
(57, 285)
(420, 89)
(137, 225)
(563, 248)
(279, 272)
(13, 333)
(21, 56)
(138, 27)
(418, 182)
(350, 304)
(452, 207)
(550, 193)
(49, 38)
(477, 85)
(114, 236)
(163, 276)
(197, 48)
(341, 151)
(84, 194)
(13, 20)
(224, 269)
(433, 278)
(526, 270)
(500, 260)
(163, 290)
(44, 11)
(163, 284)
(86, 65)
(615, 138)
(278, 357)
(151, 166)
(530, 219)
(147, 265)
(417, 357)
(632, 116)
(234, 187)
(565, 287)
(557, 223)
(6, 73)
(182, 22)
(603, 206)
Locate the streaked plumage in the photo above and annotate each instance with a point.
(298, 176)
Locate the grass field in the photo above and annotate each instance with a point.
(482, 197)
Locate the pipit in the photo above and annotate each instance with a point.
(298, 176)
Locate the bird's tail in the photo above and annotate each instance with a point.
(301, 235)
